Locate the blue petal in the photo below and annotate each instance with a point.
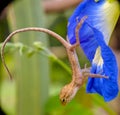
(87, 41)
(98, 17)
(91, 39)
(108, 88)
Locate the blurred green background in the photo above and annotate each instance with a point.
(39, 76)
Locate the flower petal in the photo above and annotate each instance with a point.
(99, 17)
(104, 63)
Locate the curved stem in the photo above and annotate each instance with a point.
(58, 37)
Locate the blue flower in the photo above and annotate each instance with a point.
(94, 39)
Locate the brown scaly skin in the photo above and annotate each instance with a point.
(79, 75)
(78, 79)
(68, 92)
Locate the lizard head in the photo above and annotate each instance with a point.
(68, 92)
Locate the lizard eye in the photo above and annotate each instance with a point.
(63, 100)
